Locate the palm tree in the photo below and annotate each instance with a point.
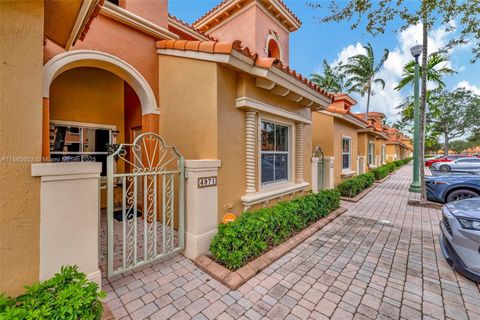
(361, 71)
(332, 79)
(436, 69)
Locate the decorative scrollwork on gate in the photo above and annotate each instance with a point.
(150, 174)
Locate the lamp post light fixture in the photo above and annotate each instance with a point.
(415, 185)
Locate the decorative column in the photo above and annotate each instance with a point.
(299, 152)
(250, 138)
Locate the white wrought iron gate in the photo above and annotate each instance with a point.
(145, 203)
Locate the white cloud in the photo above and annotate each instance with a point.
(468, 86)
(388, 99)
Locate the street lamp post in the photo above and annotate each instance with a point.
(415, 185)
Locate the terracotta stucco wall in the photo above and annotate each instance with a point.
(322, 133)
(128, 44)
(89, 95)
(21, 34)
(188, 102)
(391, 152)
(155, 11)
(341, 129)
(252, 27)
(240, 27)
(231, 145)
(265, 23)
(362, 144)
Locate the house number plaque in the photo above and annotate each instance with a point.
(205, 182)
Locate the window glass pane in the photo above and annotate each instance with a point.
(95, 140)
(268, 136)
(346, 145)
(346, 161)
(281, 166)
(267, 168)
(281, 138)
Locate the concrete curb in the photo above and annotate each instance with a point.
(234, 279)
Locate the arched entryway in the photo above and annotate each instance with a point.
(93, 102)
(90, 61)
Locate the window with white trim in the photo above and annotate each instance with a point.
(346, 153)
(383, 154)
(73, 142)
(371, 153)
(274, 152)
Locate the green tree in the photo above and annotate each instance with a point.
(332, 79)
(459, 145)
(454, 114)
(436, 69)
(378, 14)
(361, 71)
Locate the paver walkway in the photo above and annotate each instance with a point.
(379, 260)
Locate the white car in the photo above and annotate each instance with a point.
(470, 164)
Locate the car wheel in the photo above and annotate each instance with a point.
(461, 194)
(445, 168)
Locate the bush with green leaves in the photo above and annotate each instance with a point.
(254, 232)
(353, 186)
(380, 172)
(68, 295)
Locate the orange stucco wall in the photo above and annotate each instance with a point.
(322, 133)
(252, 27)
(155, 11)
(128, 44)
(341, 129)
(21, 34)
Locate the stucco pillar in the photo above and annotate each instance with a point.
(251, 152)
(328, 181)
(69, 217)
(46, 130)
(361, 164)
(315, 169)
(299, 152)
(151, 123)
(201, 211)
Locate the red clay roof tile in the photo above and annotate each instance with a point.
(229, 47)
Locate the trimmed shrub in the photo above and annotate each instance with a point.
(353, 186)
(68, 295)
(254, 232)
(380, 172)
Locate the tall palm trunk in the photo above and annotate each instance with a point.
(368, 99)
(423, 102)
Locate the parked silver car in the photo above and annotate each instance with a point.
(460, 238)
(463, 164)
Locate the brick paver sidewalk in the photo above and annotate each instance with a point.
(380, 260)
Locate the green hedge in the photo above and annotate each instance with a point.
(68, 295)
(380, 172)
(254, 232)
(353, 186)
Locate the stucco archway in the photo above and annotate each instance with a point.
(105, 61)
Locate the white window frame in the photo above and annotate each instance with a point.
(349, 169)
(281, 183)
(371, 162)
(85, 125)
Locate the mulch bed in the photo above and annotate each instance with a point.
(428, 204)
(234, 279)
(359, 196)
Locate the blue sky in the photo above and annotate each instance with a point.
(314, 42)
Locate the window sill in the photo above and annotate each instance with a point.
(348, 173)
(264, 196)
